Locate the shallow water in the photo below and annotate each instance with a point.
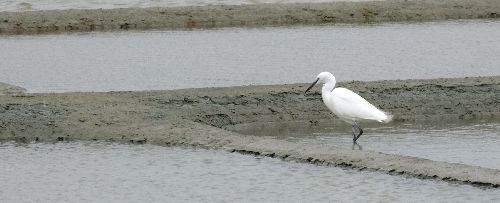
(106, 172)
(32, 5)
(471, 144)
(229, 57)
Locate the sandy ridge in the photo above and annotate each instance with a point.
(217, 16)
(201, 117)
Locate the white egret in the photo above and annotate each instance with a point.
(347, 105)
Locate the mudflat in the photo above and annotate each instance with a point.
(216, 16)
(209, 118)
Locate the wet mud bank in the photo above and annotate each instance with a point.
(217, 16)
(208, 118)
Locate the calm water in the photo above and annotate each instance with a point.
(104, 172)
(229, 57)
(30, 5)
(472, 144)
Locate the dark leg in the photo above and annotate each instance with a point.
(360, 131)
(354, 133)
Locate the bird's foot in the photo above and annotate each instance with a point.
(356, 145)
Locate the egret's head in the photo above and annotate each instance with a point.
(323, 77)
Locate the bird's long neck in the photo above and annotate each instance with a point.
(328, 86)
(327, 89)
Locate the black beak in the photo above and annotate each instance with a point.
(312, 85)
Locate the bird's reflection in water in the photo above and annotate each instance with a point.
(356, 146)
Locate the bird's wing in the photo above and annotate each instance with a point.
(350, 104)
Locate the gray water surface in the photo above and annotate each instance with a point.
(472, 144)
(107, 172)
(233, 57)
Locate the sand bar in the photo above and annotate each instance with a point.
(201, 118)
(217, 16)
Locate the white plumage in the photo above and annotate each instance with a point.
(348, 105)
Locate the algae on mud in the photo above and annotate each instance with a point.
(201, 117)
(215, 16)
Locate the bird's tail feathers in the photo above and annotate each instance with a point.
(388, 117)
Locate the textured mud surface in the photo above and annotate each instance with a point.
(201, 117)
(245, 15)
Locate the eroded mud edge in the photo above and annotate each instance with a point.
(216, 16)
(200, 117)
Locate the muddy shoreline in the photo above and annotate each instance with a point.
(217, 16)
(209, 118)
